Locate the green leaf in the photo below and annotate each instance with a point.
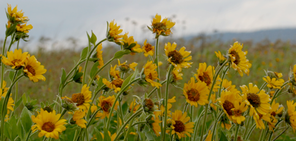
(106, 135)
(93, 38)
(10, 126)
(11, 29)
(149, 133)
(83, 53)
(63, 77)
(11, 74)
(94, 69)
(17, 104)
(222, 136)
(24, 99)
(120, 53)
(124, 108)
(25, 120)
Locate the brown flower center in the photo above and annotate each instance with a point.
(124, 67)
(254, 99)
(159, 26)
(150, 76)
(176, 57)
(15, 60)
(237, 59)
(48, 109)
(106, 106)
(30, 69)
(148, 47)
(193, 95)
(117, 83)
(48, 126)
(237, 112)
(205, 78)
(273, 114)
(179, 126)
(78, 98)
(149, 103)
(227, 105)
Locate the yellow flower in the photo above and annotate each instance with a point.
(134, 106)
(227, 102)
(24, 28)
(161, 27)
(106, 103)
(10, 103)
(177, 75)
(170, 101)
(273, 83)
(155, 125)
(209, 137)
(225, 122)
(112, 137)
(15, 59)
(257, 100)
(151, 74)
(78, 118)
(130, 44)
(148, 49)
(238, 59)
(179, 59)
(81, 99)
(34, 70)
(125, 68)
(291, 116)
(205, 74)
(49, 124)
(180, 124)
(114, 84)
(4, 89)
(259, 120)
(99, 55)
(114, 32)
(275, 110)
(114, 73)
(227, 85)
(238, 110)
(220, 57)
(196, 93)
(16, 16)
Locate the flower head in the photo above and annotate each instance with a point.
(99, 55)
(156, 121)
(177, 75)
(151, 74)
(130, 44)
(115, 84)
(105, 103)
(49, 124)
(273, 83)
(180, 124)
(125, 68)
(78, 118)
(238, 59)
(114, 33)
(291, 115)
(196, 93)
(179, 59)
(34, 70)
(24, 28)
(134, 106)
(15, 59)
(220, 57)
(15, 16)
(148, 49)
(205, 74)
(161, 27)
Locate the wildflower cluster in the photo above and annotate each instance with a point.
(106, 108)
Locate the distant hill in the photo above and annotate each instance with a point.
(255, 36)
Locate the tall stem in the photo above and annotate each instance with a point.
(281, 133)
(11, 42)
(250, 131)
(166, 102)
(218, 119)
(88, 56)
(92, 79)
(2, 65)
(154, 89)
(157, 60)
(279, 91)
(236, 132)
(207, 105)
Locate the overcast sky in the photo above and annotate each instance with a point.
(59, 19)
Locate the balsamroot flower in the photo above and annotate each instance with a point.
(291, 115)
(34, 70)
(179, 59)
(15, 16)
(205, 74)
(151, 74)
(114, 33)
(130, 44)
(196, 93)
(49, 124)
(15, 59)
(123, 67)
(161, 27)
(99, 55)
(148, 49)
(238, 59)
(105, 103)
(180, 124)
(78, 118)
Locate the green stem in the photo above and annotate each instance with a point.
(92, 79)
(94, 114)
(250, 131)
(97, 92)
(88, 56)
(207, 105)
(157, 60)
(166, 102)
(2, 65)
(281, 133)
(247, 126)
(155, 88)
(236, 132)
(279, 91)
(28, 136)
(263, 85)
(18, 44)
(274, 131)
(120, 109)
(128, 130)
(123, 126)
(223, 76)
(217, 120)
(117, 96)
(63, 113)
(11, 42)
(4, 106)
(140, 122)
(196, 125)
